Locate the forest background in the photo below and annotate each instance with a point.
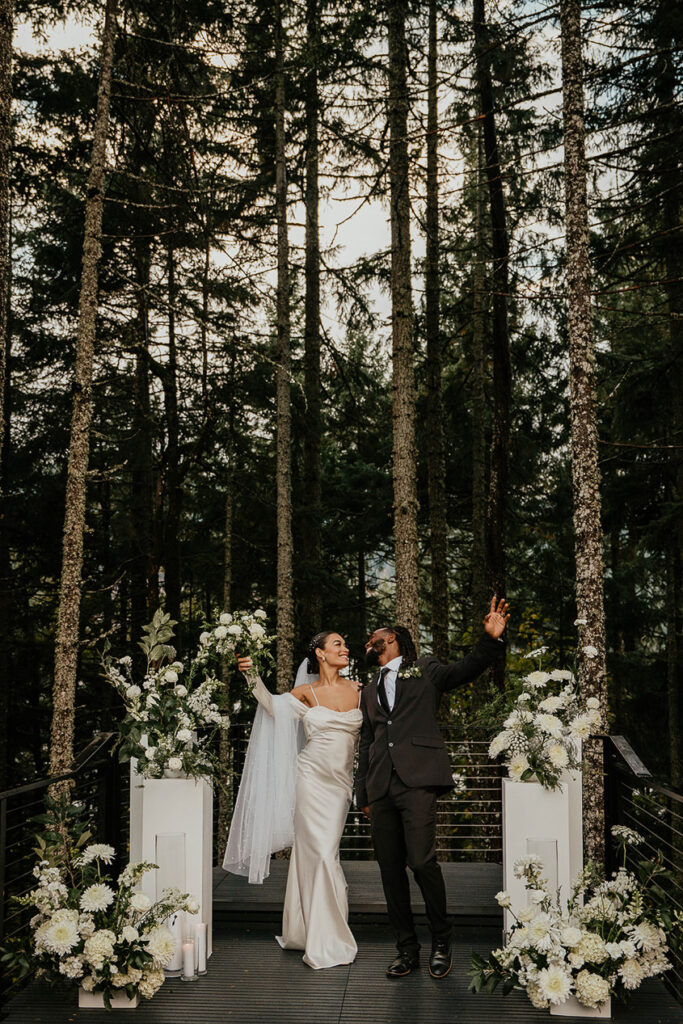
(245, 378)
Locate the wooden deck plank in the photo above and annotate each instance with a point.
(252, 980)
(470, 889)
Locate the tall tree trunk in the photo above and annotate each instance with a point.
(6, 44)
(311, 603)
(403, 384)
(584, 446)
(66, 648)
(173, 488)
(670, 119)
(480, 584)
(144, 592)
(502, 374)
(436, 468)
(285, 596)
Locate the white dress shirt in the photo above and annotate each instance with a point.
(390, 680)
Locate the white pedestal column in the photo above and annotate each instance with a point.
(171, 824)
(547, 823)
(573, 1008)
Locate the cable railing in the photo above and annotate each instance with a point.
(469, 820)
(634, 798)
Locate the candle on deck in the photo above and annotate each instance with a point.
(188, 960)
(200, 931)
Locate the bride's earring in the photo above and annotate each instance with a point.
(323, 658)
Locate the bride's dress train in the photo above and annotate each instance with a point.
(302, 801)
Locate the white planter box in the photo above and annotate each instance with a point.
(174, 815)
(573, 1008)
(95, 1000)
(548, 823)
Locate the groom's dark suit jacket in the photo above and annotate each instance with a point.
(407, 738)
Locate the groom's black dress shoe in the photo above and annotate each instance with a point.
(402, 965)
(440, 962)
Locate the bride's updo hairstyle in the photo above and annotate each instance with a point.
(318, 641)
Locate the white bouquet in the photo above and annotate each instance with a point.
(237, 634)
(540, 737)
(613, 935)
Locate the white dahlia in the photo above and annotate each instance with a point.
(557, 755)
(97, 897)
(61, 936)
(517, 765)
(580, 727)
(161, 945)
(555, 984)
(631, 973)
(549, 724)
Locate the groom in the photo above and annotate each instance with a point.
(403, 766)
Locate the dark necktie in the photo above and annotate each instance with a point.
(381, 689)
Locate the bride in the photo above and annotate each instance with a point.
(295, 791)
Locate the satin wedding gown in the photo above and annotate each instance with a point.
(303, 803)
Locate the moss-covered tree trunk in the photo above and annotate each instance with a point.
(68, 621)
(436, 468)
(584, 439)
(311, 604)
(403, 382)
(502, 373)
(285, 554)
(480, 581)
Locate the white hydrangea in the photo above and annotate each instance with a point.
(536, 997)
(591, 989)
(234, 630)
(150, 983)
(592, 948)
(99, 947)
(220, 632)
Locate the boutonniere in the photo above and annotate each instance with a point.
(409, 672)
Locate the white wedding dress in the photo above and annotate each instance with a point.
(295, 791)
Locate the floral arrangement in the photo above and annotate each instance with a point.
(239, 633)
(611, 937)
(104, 935)
(541, 733)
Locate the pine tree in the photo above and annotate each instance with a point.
(67, 639)
(585, 473)
(403, 384)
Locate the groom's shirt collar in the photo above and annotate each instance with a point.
(395, 664)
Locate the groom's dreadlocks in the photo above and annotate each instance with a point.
(405, 643)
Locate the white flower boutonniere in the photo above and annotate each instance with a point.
(409, 672)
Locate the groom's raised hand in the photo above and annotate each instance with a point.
(497, 618)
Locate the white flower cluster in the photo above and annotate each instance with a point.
(540, 735)
(238, 633)
(605, 942)
(96, 934)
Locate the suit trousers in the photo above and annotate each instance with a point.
(404, 834)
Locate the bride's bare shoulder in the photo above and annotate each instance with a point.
(355, 684)
(302, 693)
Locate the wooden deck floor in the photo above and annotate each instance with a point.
(252, 981)
(470, 888)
